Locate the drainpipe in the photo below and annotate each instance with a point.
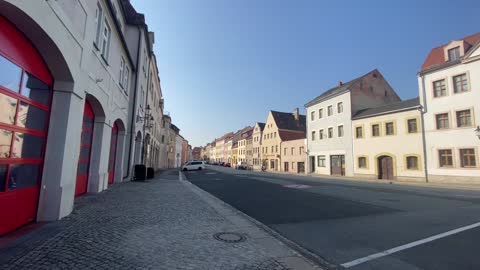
(423, 110)
(134, 111)
(144, 152)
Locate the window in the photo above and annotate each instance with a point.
(292, 150)
(144, 62)
(340, 131)
(320, 161)
(285, 151)
(389, 128)
(464, 118)
(122, 67)
(301, 150)
(439, 88)
(362, 162)
(330, 132)
(442, 121)
(359, 132)
(105, 40)
(467, 158)
(275, 134)
(320, 134)
(98, 23)
(126, 77)
(375, 130)
(340, 107)
(276, 148)
(312, 116)
(330, 110)
(313, 135)
(272, 148)
(320, 113)
(460, 83)
(445, 158)
(454, 54)
(412, 163)
(412, 126)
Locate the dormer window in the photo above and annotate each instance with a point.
(454, 54)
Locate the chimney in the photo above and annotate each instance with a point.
(340, 83)
(296, 114)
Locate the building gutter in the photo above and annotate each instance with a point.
(423, 110)
(387, 112)
(144, 152)
(134, 111)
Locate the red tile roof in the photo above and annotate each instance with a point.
(436, 57)
(287, 135)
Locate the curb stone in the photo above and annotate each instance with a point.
(313, 260)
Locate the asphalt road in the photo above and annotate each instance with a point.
(344, 221)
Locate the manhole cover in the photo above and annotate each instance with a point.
(229, 237)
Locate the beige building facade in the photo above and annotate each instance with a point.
(387, 142)
(278, 127)
(257, 137)
(294, 156)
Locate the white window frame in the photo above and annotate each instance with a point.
(121, 78)
(321, 160)
(98, 24)
(126, 77)
(105, 46)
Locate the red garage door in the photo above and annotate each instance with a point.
(113, 154)
(25, 94)
(85, 150)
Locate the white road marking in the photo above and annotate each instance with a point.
(211, 173)
(409, 245)
(297, 186)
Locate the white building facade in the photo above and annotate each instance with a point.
(329, 122)
(178, 150)
(73, 85)
(449, 89)
(71, 128)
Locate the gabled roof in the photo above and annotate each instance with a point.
(247, 132)
(287, 121)
(341, 88)
(405, 105)
(287, 135)
(436, 57)
(261, 125)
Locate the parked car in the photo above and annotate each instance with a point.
(228, 165)
(193, 165)
(241, 166)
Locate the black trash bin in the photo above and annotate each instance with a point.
(140, 173)
(150, 173)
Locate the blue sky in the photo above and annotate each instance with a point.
(225, 63)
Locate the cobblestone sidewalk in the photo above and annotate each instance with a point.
(161, 224)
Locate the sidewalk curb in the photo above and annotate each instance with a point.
(313, 259)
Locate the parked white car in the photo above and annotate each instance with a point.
(193, 165)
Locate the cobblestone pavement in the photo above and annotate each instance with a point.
(160, 224)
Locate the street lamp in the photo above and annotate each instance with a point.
(146, 116)
(477, 131)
